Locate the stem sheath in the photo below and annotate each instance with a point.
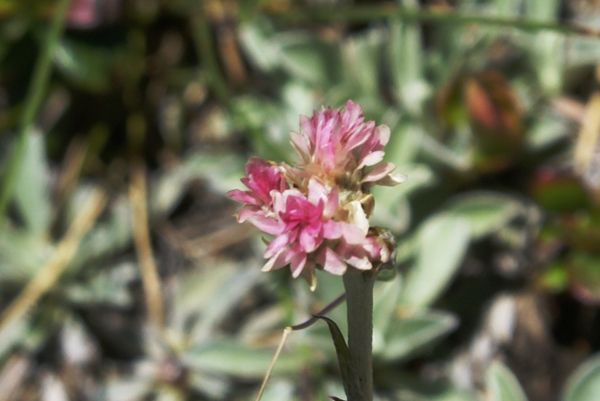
(359, 301)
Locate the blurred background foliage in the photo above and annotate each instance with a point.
(123, 275)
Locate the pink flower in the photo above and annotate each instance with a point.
(310, 233)
(262, 179)
(335, 144)
(317, 212)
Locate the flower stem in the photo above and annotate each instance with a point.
(359, 301)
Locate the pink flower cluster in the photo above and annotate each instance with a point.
(318, 210)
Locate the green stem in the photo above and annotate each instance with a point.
(368, 13)
(359, 301)
(34, 98)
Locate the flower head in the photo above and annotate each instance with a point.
(317, 211)
(335, 145)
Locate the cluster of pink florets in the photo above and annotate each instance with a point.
(318, 210)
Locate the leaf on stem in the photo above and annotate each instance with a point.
(349, 376)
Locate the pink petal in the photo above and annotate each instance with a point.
(361, 263)
(391, 179)
(332, 229)
(352, 234)
(383, 132)
(378, 172)
(371, 158)
(275, 262)
(297, 264)
(310, 240)
(331, 262)
(242, 197)
(300, 141)
(316, 191)
(248, 212)
(331, 203)
(267, 225)
(277, 244)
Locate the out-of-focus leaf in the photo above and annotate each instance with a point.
(405, 44)
(558, 191)
(585, 276)
(440, 153)
(313, 60)
(278, 391)
(404, 143)
(197, 292)
(502, 384)
(584, 384)
(350, 377)
(453, 395)
(442, 242)
(261, 48)
(391, 209)
(32, 191)
(547, 128)
(108, 236)
(127, 389)
(223, 171)
(87, 66)
(214, 386)
(486, 212)
(546, 49)
(583, 51)
(21, 255)
(167, 190)
(407, 335)
(361, 56)
(12, 334)
(233, 358)
(108, 287)
(450, 394)
(385, 299)
(169, 393)
(229, 295)
(507, 8)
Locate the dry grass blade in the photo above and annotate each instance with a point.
(13, 375)
(51, 271)
(150, 279)
(288, 330)
(588, 135)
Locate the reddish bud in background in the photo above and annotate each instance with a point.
(558, 191)
(485, 101)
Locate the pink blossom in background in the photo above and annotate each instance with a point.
(316, 210)
(89, 14)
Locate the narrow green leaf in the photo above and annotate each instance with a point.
(86, 66)
(349, 376)
(313, 60)
(259, 46)
(442, 242)
(32, 194)
(486, 212)
(502, 384)
(385, 299)
(361, 60)
(584, 384)
(235, 359)
(407, 335)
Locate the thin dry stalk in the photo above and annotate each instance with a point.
(51, 271)
(588, 135)
(141, 236)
